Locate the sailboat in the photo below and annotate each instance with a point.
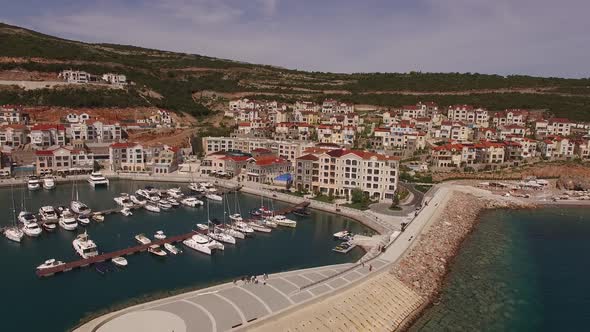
(227, 229)
(13, 232)
(77, 206)
(219, 234)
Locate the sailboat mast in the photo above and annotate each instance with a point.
(13, 206)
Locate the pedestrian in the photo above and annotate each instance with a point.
(363, 264)
(370, 267)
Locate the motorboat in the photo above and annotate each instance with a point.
(259, 228)
(48, 183)
(83, 220)
(80, 208)
(160, 235)
(269, 222)
(191, 201)
(33, 183)
(231, 232)
(172, 202)
(68, 221)
(197, 243)
(126, 212)
(196, 187)
(236, 217)
(283, 221)
(242, 227)
(150, 195)
(137, 200)
(341, 235)
(164, 205)
(49, 226)
(175, 192)
(26, 217)
(32, 229)
(156, 250)
(50, 263)
(214, 197)
(48, 213)
(98, 217)
(119, 261)
(172, 248)
(14, 233)
(97, 179)
(203, 227)
(151, 207)
(123, 200)
(256, 213)
(222, 237)
(142, 239)
(84, 246)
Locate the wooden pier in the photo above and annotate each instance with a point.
(135, 249)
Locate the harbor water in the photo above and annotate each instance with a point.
(59, 302)
(520, 270)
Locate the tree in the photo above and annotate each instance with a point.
(358, 196)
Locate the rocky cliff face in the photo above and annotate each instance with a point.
(573, 182)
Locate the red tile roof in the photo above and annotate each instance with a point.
(123, 145)
(308, 157)
(48, 126)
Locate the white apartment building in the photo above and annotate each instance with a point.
(117, 79)
(338, 172)
(75, 76)
(469, 115)
(331, 106)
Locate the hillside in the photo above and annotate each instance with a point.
(196, 84)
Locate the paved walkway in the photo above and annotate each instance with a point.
(228, 306)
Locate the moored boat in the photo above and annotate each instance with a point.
(214, 197)
(33, 183)
(259, 228)
(83, 220)
(84, 246)
(156, 250)
(142, 239)
(283, 221)
(222, 237)
(49, 264)
(151, 207)
(48, 213)
(191, 201)
(119, 261)
(48, 183)
(32, 229)
(126, 212)
(198, 244)
(97, 179)
(160, 235)
(172, 248)
(68, 221)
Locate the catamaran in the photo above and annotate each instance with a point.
(84, 246)
(199, 243)
(97, 179)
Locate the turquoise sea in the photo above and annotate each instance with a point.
(58, 303)
(520, 270)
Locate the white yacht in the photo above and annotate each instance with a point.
(283, 221)
(151, 207)
(48, 183)
(203, 227)
(214, 197)
(97, 179)
(34, 183)
(172, 248)
(49, 264)
(32, 229)
(80, 208)
(196, 187)
(137, 200)
(98, 217)
(142, 239)
(172, 202)
(164, 205)
(222, 237)
(259, 228)
(175, 192)
(14, 233)
(84, 246)
(198, 243)
(123, 200)
(68, 221)
(192, 202)
(26, 217)
(160, 235)
(49, 226)
(231, 232)
(126, 212)
(119, 261)
(83, 220)
(48, 213)
(156, 250)
(243, 227)
(269, 222)
(236, 217)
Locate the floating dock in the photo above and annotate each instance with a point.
(135, 249)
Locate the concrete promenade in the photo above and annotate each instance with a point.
(345, 297)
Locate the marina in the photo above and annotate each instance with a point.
(146, 275)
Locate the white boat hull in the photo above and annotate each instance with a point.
(191, 243)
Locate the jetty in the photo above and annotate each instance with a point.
(135, 249)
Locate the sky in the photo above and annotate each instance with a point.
(533, 37)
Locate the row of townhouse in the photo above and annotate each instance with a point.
(260, 166)
(11, 114)
(63, 159)
(340, 171)
(44, 135)
(510, 151)
(285, 149)
(139, 158)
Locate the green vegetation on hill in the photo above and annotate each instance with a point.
(177, 76)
